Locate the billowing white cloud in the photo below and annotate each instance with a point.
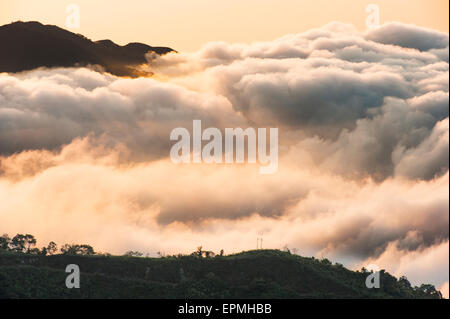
(409, 36)
(424, 264)
(49, 108)
(444, 290)
(363, 163)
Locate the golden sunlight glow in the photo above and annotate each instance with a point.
(186, 25)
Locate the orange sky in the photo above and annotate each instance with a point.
(364, 132)
(186, 25)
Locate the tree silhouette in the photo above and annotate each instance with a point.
(132, 253)
(4, 241)
(52, 248)
(23, 243)
(84, 250)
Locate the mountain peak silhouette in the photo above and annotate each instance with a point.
(29, 45)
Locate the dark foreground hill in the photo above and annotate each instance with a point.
(253, 274)
(29, 45)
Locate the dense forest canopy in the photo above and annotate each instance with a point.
(29, 272)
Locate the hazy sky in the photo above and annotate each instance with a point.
(363, 122)
(186, 25)
(363, 174)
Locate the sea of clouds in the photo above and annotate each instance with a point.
(363, 172)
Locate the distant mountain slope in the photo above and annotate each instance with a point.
(253, 274)
(28, 45)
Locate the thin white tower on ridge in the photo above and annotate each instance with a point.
(259, 240)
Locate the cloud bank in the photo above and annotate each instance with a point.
(363, 138)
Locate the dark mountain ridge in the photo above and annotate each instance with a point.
(252, 274)
(29, 45)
